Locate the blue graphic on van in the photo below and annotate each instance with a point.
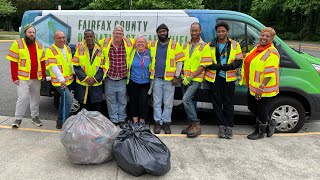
(46, 26)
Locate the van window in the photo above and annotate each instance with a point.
(245, 34)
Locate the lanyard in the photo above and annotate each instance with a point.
(142, 62)
(142, 59)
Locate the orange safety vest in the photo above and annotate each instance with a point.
(265, 64)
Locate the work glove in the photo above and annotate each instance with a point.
(186, 80)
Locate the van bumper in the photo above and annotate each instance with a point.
(315, 109)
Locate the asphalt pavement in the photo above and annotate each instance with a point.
(36, 153)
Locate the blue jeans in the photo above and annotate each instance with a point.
(116, 97)
(189, 105)
(69, 100)
(163, 91)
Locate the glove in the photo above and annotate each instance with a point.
(215, 67)
(186, 80)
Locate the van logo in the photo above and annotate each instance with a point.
(47, 25)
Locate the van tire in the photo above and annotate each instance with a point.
(294, 117)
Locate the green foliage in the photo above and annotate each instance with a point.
(145, 4)
(6, 8)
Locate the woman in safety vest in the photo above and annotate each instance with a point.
(139, 80)
(260, 71)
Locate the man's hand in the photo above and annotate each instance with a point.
(258, 94)
(186, 80)
(215, 67)
(63, 84)
(16, 82)
(175, 81)
(90, 81)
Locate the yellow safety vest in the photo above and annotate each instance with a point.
(265, 64)
(54, 57)
(200, 57)
(82, 58)
(235, 53)
(105, 44)
(19, 53)
(174, 55)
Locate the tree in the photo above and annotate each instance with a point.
(6, 8)
(289, 16)
(146, 4)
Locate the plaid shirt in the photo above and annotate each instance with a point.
(117, 59)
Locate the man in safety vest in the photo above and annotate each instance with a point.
(197, 58)
(116, 51)
(221, 75)
(26, 57)
(166, 65)
(59, 63)
(88, 65)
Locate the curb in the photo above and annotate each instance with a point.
(6, 41)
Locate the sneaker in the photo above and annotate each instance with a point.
(222, 131)
(36, 121)
(229, 134)
(16, 123)
(59, 124)
(166, 128)
(157, 128)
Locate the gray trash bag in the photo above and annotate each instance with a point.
(88, 137)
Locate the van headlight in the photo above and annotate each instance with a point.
(317, 67)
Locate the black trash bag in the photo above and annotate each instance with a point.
(88, 137)
(137, 151)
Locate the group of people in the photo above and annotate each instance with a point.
(135, 69)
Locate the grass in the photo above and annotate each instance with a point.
(7, 37)
(9, 33)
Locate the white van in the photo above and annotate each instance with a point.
(299, 97)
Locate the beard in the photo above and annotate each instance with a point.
(29, 40)
(163, 38)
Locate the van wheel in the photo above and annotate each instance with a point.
(75, 108)
(288, 113)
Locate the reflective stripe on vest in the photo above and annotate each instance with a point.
(51, 61)
(23, 62)
(20, 44)
(23, 73)
(127, 40)
(13, 54)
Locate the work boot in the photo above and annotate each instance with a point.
(229, 134)
(260, 135)
(58, 124)
(255, 132)
(157, 128)
(16, 123)
(222, 131)
(186, 130)
(271, 127)
(36, 121)
(195, 130)
(166, 128)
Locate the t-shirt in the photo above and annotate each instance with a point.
(223, 58)
(139, 72)
(161, 57)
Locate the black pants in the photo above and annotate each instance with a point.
(139, 98)
(260, 107)
(221, 94)
(91, 106)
